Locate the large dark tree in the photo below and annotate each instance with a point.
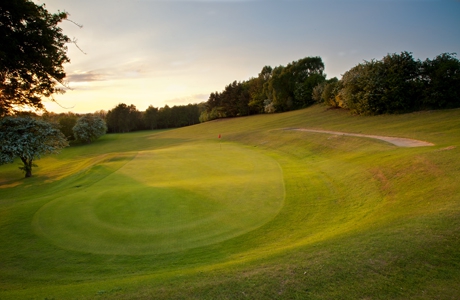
(32, 54)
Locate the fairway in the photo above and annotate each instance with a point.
(165, 201)
(261, 213)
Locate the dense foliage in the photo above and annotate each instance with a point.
(89, 128)
(396, 84)
(231, 102)
(66, 123)
(291, 87)
(280, 89)
(123, 118)
(32, 54)
(28, 139)
(126, 118)
(441, 82)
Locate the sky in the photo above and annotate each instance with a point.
(170, 52)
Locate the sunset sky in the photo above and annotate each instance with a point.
(158, 52)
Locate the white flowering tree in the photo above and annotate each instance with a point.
(89, 128)
(28, 139)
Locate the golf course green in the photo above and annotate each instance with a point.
(263, 212)
(165, 201)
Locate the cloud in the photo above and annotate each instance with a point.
(197, 98)
(347, 53)
(122, 71)
(86, 77)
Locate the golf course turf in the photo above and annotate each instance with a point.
(261, 213)
(166, 201)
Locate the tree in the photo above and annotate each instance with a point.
(28, 139)
(303, 91)
(32, 53)
(123, 118)
(235, 99)
(150, 117)
(308, 73)
(257, 91)
(391, 85)
(101, 114)
(317, 92)
(66, 123)
(164, 117)
(192, 112)
(89, 128)
(291, 87)
(400, 83)
(280, 90)
(441, 78)
(213, 109)
(329, 92)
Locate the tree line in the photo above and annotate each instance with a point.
(122, 118)
(278, 89)
(397, 83)
(125, 118)
(29, 136)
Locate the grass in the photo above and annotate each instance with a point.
(166, 200)
(265, 213)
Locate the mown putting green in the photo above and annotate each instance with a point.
(165, 200)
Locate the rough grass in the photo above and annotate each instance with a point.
(360, 219)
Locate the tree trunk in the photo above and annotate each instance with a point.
(27, 167)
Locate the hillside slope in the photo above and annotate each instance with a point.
(359, 217)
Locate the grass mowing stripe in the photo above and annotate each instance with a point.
(166, 201)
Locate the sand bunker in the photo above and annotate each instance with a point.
(400, 142)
